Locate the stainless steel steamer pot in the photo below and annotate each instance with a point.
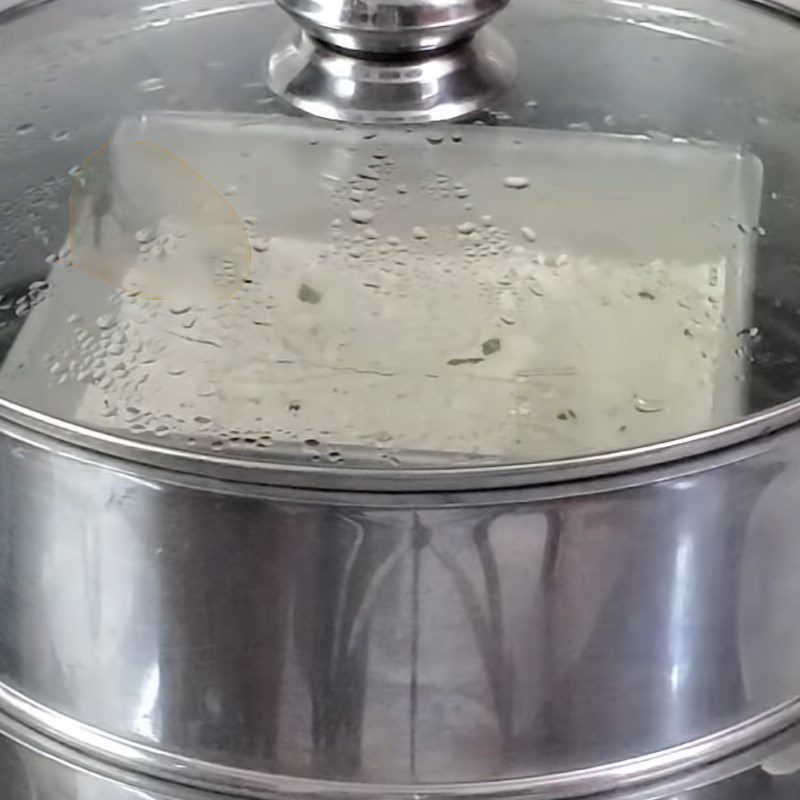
(576, 636)
(326, 618)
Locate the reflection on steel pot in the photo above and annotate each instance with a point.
(227, 634)
(36, 768)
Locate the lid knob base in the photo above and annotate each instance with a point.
(381, 88)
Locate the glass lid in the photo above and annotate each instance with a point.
(400, 245)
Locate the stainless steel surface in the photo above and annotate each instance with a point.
(234, 635)
(391, 61)
(36, 768)
(446, 84)
(391, 26)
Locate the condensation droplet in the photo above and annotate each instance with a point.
(356, 251)
(150, 85)
(647, 406)
(145, 235)
(362, 216)
(516, 182)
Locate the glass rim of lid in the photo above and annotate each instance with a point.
(715, 444)
(266, 469)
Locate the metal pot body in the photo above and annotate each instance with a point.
(235, 635)
(34, 769)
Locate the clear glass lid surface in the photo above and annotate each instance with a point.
(602, 260)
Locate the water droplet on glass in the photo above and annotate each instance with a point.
(528, 233)
(419, 232)
(311, 446)
(435, 138)
(105, 322)
(61, 136)
(467, 228)
(362, 216)
(145, 235)
(25, 128)
(647, 406)
(150, 85)
(260, 244)
(356, 251)
(535, 288)
(516, 182)
(383, 438)
(368, 174)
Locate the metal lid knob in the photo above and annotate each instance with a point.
(391, 26)
(385, 61)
